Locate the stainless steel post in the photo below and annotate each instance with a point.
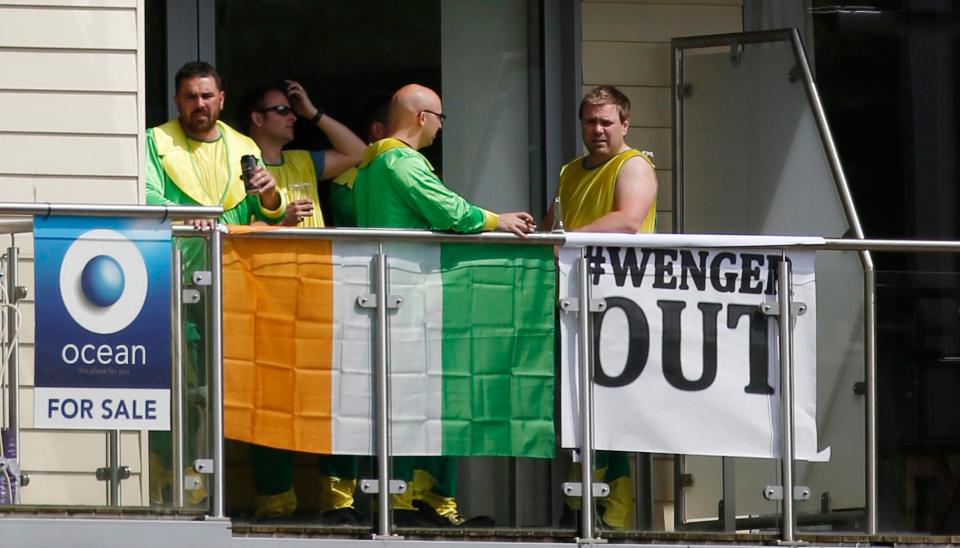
(13, 364)
(786, 400)
(870, 338)
(383, 398)
(113, 464)
(176, 381)
(216, 368)
(586, 403)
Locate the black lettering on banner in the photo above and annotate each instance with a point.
(697, 271)
(638, 343)
(595, 262)
(628, 265)
(662, 269)
(715, 268)
(672, 369)
(773, 273)
(759, 367)
(750, 273)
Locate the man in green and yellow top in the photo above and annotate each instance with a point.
(271, 112)
(611, 189)
(194, 159)
(397, 188)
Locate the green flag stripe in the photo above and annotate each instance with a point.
(498, 347)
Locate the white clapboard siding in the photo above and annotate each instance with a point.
(68, 27)
(71, 131)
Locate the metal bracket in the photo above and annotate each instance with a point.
(24, 479)
(203, 466)
(775, 492)
(794, 74)
(190, 296)
(372, 486)
(575, 489)
(684, 90)
(772, 309)
(202, 277)
(369, 300)
(736, 54)
(192, 483)
(103, 474)
(19, 292)
(572, 304)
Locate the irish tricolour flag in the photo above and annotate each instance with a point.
(471, 346)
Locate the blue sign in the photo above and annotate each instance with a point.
(102, 323)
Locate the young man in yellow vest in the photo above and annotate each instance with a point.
(270, 112)
(194, 159)
(611, 189)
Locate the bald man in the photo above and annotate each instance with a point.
(397, 188)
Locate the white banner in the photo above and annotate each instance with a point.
(684, 361)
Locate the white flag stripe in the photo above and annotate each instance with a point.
(351, 379)
(416, 351)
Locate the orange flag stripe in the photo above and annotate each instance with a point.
(278, 341)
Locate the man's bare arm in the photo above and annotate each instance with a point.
(347, 148)
(634, 196)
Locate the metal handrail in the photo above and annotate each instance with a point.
(836, 244)
(172, 212)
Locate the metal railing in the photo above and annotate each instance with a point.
(736, 42)
(383, 525)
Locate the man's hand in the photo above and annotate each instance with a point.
(520, 223)
(203, 224)
(297, 211)
(299, 99)
(263, 183)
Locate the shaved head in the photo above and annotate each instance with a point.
(415, 115)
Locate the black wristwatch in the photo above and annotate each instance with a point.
(316, 117)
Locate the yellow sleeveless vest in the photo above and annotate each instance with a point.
(587, 194)
(297, 167)
(174, 152)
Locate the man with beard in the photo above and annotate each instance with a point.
(611, 189)
(194, 159)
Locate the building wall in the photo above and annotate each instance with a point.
(71, 117)
(627, 43)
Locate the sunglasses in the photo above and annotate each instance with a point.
(282, 110)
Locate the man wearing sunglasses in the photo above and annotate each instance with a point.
(270, 112)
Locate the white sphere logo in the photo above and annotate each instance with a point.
(103, 281)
